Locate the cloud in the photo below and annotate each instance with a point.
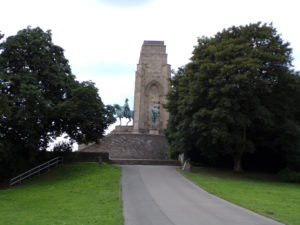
(93, 33)
(105, 68)
(102, 38)
(125, 3)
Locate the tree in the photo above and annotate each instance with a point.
(86, 116)
(230, 90)
(40, 98)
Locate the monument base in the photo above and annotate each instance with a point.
(123, 130)
(132, 146)
(154, 132)
(130, 130)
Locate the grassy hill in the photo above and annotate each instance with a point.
(261, 193)
(77, 193)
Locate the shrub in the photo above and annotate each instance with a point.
(290, 175)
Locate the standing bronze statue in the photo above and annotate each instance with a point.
(154, 114)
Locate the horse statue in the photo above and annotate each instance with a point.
(124, 112)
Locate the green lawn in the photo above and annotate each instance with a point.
(260, 193)
(77, 193)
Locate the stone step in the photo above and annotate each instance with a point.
(144, 162)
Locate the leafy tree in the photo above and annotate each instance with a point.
(63, 146)
(40, 98)
(85, 114)
(237, 85)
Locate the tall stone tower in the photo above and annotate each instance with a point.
(151, 87)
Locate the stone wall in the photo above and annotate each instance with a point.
(132, 146)
(90, 157)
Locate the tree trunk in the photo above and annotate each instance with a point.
(238, 162)
(238, 156)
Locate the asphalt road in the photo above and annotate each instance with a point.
(160, 195)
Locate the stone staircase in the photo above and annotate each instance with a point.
(144, 149)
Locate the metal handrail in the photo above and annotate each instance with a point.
(36, 170)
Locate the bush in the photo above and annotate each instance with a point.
(64, 149)
(63, 146)
(290, 175)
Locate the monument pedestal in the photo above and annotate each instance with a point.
(123, 130)
(154, 132)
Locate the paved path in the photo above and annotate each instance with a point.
(160, 195)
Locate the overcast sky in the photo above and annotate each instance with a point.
(102, 38)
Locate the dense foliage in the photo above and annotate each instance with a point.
(40, 99)
(238, 95)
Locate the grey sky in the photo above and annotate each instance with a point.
(125, 3)
(102, 38)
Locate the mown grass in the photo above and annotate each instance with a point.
(77, 193)
(263, 194)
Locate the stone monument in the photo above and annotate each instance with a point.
(145, 139)
(151, 86)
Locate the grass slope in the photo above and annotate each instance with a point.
(77, 193)
(268, 197)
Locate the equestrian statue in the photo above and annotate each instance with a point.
(124, 112)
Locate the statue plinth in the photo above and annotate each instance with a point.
(154, 132)
(123, 129)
